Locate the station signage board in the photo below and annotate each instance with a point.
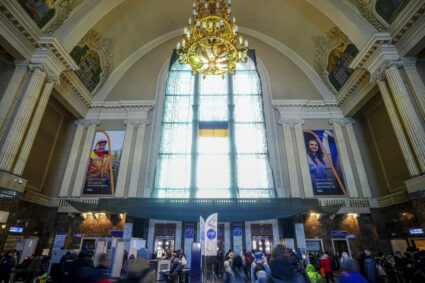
(117, 233)
(339, 234)
(16, 229)
(416, 231)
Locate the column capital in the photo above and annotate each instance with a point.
(51, 75)
(409, 62)
(291, 122)
(136, 122)
(379, 72)
(21, 65)
(86, 122)
(341, 121)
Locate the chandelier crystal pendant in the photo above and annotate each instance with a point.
(211, 44)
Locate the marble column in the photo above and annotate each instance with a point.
(72, 160)
(80, 176)
(398, 129)
(345, 161)
(415, 82)
(12, 92)
(137, 159)
(17, 131)
(290, 150)
(410, 119)
(302, 156)
(125, 157)
(358, 161)
(33, 128)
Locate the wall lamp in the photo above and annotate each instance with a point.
(314, 214)
(354, 215)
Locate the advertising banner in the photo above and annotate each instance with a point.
(104, 163)
(324, 165)
(211, 235)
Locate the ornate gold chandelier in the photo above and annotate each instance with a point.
(211, 44)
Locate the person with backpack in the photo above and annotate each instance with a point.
(259, 268)
(313, 275)
(281, 269)
(236, 274)
(6, 265)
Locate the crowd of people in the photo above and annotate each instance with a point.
(280, 266)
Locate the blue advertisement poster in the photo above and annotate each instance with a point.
(323, 162)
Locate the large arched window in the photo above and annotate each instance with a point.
(213, 136)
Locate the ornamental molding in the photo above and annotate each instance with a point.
(63, 9)
(86, 122)
(137, 123)
(306, 109)
(104, 48)
(125, 110)
(291, 122)
(77, 87)
(342, 121)
(323, 45)
(367, 10)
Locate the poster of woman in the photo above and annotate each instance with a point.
(104, 163)
(323, 161)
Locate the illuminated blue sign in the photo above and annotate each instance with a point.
(416, 231)
(339, 234)
(16, 229)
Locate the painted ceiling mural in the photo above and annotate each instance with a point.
(93, 55)
(48, 15)
(390, 9)
(333, 54)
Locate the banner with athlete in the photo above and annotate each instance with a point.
(323, 162)
(104, 163)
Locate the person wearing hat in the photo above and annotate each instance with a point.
(99, 167)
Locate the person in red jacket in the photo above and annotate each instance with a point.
(325, 263)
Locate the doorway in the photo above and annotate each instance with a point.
(340, 246)
(262, 243)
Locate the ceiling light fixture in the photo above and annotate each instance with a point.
(211, 44)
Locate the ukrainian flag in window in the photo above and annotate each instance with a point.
(213, 129)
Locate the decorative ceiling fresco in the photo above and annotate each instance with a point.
(334, 52)
(48, 15)
(93, 55)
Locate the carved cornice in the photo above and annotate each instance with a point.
(77, 87)
(103, 47)
(351, 85)
(411, 14)
(306, 109)
(341, 121)
(323, 45)
(125, 110)
(291, 122)
(137, 123)
(123, 105)
(86, 122)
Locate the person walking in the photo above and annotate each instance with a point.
(6, 265)
(350, 273)
(325, 262)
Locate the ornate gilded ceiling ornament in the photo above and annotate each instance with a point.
(93, 54)
(211, 44)
(333, 53)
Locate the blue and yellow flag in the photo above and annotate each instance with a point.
(213, 129)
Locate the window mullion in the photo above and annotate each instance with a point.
(232, 151)
(195, 125)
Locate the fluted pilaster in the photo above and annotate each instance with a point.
(398, 129)
(358, 161)
(12, 92)
(21, 121)
(84, 158)
(72, 160)
(290, 150)
(345, 158)
(302, 156)
(137, 160)
(125, 158)
(415, 82)
(33, 129)
(408, 115)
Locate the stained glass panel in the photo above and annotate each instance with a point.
(181, 82)
(176, 138)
